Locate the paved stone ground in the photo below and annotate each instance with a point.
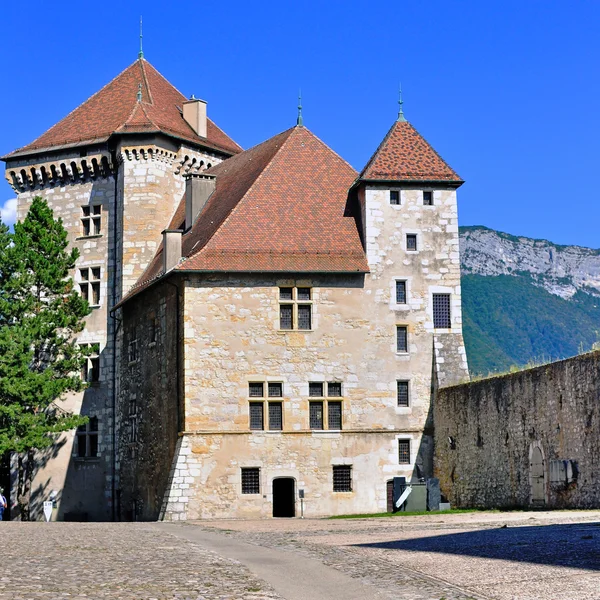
(504, 556)
(128, 561)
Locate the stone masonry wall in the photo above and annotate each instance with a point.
(485, 432)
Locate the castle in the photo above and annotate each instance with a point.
(267, 326)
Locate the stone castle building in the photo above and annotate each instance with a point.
(268, 325)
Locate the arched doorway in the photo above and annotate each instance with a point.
(537, 474)
(284, 497)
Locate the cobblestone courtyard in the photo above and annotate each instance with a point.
(455, 557)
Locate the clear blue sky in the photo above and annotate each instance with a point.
(507, 91)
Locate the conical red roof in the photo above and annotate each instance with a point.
(405, 155)
(115, 109)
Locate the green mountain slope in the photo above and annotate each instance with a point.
(507, 320)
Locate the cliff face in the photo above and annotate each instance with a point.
(526, 300)
(561, 270)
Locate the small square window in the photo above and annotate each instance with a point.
(441, 311)
(402, 393)
(334, 415)
(256, 416)
(404, 452)
(256, 389)
(275, 416)
(411, 241)
(286, 293)
(427, 198)
(394, 197)
(251, 480)
(275, 390)
(334, 388)
(315, 389)
(401, 338)
(316, 415)
(303, 293)
(342, 478)
(400, 292)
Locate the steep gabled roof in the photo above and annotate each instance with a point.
(404, 155)
(281, 206)
(115, 109)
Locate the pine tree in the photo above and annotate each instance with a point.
(40, 361)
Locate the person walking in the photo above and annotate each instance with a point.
(3, 504)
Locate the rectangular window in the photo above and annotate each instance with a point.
(316, 415)
(334, 415)
(256, 389)
(402, 393)
(304, 316)
(441, 311)
(91, 220)
(153, 330)
(286, 316)
(275, 390)
(90, 371)
(400, 292)
(251, 480)
(411, 241)
(334, 388)
(89, 285)
(394, 197)
(256, 416)
(275, 416)
(342, 478)
(303, 294)
(87, 439)
(404, 452)
(427, 198)
(286, 293)
(401, 338)
(133, 347)
(315, 389)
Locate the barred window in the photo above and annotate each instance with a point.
(428, 198)
(334, 415)
(91, 220)
(316, 415)
(256, 389)
(275, 416)
(250, 480)
(342, 478)
(441, 311)
(402, 338)
(87, 439)
(315, 389)
(275, 390)
(402, 393)
(304, 316)
(394, 197)
(256, 416)
(334, 388)
(286, 316)
(400, 292)
(89, 285)
(404, 452)
(90, 371)
(411, 241)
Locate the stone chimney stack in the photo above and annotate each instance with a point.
(198, 189)
(194, 112)
(171, 248)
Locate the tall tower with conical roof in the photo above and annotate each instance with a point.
(114, 169)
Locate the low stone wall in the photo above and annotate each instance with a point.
(527, 438)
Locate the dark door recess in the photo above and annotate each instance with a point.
(284, 497)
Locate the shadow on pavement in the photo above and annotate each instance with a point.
(576, 546)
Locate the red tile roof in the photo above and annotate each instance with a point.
(114, 109)
(281, 206)
(404, 155)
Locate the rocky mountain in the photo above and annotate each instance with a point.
(525, 300)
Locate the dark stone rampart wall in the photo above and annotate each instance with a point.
(485, 432)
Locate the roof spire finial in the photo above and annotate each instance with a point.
(139, 92)
(300, 121)
(141, 52)
(401, 117)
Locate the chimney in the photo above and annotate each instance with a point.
(194, 112)
(171, 248)
(198, 188)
